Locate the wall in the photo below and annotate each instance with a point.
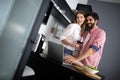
(109, 21)
(114, 1)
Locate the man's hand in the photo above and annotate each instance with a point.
(72, 60)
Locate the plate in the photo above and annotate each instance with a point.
(91, 70)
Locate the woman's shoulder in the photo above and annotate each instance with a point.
(74, 24)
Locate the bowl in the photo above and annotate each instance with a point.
(91, 69)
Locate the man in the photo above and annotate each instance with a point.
(93, 43)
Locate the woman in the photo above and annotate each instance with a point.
(72, 33)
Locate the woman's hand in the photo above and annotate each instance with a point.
(75, 45)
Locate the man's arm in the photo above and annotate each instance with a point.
(72, 60)
(86, 54)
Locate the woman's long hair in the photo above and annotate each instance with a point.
(74, 20)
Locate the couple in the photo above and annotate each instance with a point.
(93, 40)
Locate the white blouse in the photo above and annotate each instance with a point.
(71, 33)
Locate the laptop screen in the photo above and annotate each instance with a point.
(55, 51)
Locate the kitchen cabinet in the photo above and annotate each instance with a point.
(62, 12)
(73, 6)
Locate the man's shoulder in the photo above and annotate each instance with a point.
(100, 30)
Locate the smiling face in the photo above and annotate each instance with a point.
(91, 22)
(80, 19)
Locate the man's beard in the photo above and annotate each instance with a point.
(89, 27)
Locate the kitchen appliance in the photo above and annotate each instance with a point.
(39, 42)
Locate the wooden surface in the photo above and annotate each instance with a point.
(82, 70)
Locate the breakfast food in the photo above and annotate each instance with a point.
(91, 69)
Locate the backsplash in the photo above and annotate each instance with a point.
(52, 30)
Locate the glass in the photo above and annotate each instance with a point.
(15, 33)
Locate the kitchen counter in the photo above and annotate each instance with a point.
(44, 67)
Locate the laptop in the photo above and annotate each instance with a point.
(56, 52)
